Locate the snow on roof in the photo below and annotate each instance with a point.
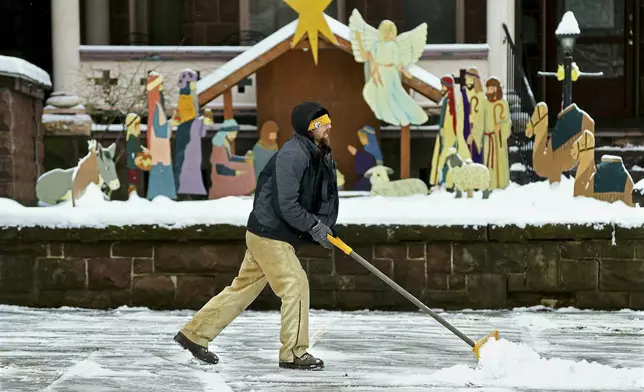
(568, 24)
(339, 29)
(13, 66)
(533, 204)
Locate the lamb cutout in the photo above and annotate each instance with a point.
(381, 185)
(468, 176)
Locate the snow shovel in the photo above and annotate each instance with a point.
(476, 347)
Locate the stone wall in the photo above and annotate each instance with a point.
(449, 267)
(21, 131)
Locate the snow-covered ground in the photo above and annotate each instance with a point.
(131, 349)
(534, 204)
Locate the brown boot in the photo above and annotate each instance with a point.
(305, 362)
(199, 352)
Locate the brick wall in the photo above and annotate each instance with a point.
(20, 111)
(450, 268)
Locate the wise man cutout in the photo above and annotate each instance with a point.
(473, 107)
(447, 133)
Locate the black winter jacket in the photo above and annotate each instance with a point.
(297, 187)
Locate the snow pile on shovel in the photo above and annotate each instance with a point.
(507, 364)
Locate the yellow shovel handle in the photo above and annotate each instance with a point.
(338, 243)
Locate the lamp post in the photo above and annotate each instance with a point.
(567, 40)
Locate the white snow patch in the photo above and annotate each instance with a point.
(14, 66)
(637, 168)
(507, 364)
(68, 118)
(626, 147)
(281, 35)
(518, 167)
(568, 25)
(533, 204)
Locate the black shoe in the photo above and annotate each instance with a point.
(305, 362)
(199, 352)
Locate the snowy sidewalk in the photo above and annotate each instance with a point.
(132, 350)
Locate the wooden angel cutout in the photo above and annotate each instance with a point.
(387, 55)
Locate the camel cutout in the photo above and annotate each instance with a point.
(609, 181)
(551, 154)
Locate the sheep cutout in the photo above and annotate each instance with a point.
(467, 175)
(382, 186)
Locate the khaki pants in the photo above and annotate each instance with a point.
(265, 260)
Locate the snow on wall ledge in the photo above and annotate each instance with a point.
(16, 67)
(535, 204)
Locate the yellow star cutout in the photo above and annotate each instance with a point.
(311, 20)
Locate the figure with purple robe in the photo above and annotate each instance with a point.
(473, 100)
(363, 162)
(190, 130)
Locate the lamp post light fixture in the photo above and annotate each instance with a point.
(567, 33)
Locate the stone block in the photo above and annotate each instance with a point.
(524, 299)
(313, 252)
(601, 300)
(439, 258)
(456, 282)
(74, 298)
(61, 274)
(411, 275)
(87, 250)
(198, 257)
(345, 265)
(109, 273)
(16, 274)
(194, 291)
(389, 251)
(320, 266)
(369, 283)
(326, 282)
(322, 300)
(437, 281)
(452, 299)
(142, 266)
(598, 249)
(154, 292)
(55, 250)
(637, 301)
(577, 275)
(487, 291)
(357, 300)
(542, 266)
(224, 280)
(621, 275)
(516, 282)
(506, 258)
(132, 249)
(120, 298)
(639, 249)
(18, 299)
(23, 249)
(416, 251)
(470, 258)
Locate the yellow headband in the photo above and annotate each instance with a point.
(320, 121)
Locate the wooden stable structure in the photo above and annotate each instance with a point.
(287, 75)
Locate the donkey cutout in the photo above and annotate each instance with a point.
(96, 167)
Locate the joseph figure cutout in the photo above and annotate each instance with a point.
(473, 99)
(496, 134)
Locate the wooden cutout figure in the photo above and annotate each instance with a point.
(137, 157)
(609, 181)
(161, 180)
(339, 179)
(369, 141)
(447, 136)
(96, 167)
(232, 175)
(473, 113)
(551, 155)
(468, 176)
(387, 55)
(363, 162)
(190, 130)
(266, 146)
(496, 134)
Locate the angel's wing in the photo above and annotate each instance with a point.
(363, 36)
(411, 44)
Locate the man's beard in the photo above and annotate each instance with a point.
(491, 97)
(470, 86)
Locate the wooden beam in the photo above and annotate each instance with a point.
(405, 151)
(228, 104)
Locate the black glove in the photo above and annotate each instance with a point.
(319, 232)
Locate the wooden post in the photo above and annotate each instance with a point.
(405, 151)
(228, 112)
